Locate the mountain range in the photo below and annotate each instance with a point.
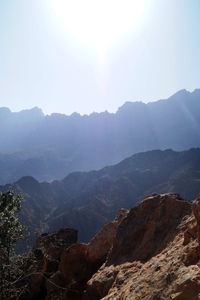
(87, 200)
(50, 147)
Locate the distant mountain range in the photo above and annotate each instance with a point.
(50, 147)
(87, 200)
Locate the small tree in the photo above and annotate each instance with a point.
(10, 232)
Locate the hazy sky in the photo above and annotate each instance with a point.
(96, 58)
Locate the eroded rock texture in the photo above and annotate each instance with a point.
(149, 253)
(64, 266)
(148, 228)
(45, 259)
(160, 257)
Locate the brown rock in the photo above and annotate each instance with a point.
(52, 244)
(148, 228)
(56, 287)
(149, 260)
(73, 272)
(80, 261)
(192, 255)
(196, 212)
(100, 245)
(101, 282)
(73, 264)
(153, 254)
(164, 277)
(47, 252)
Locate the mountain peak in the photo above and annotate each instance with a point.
(129, 106)
(4, 111)
(180, 94)
(36, 111)
(196, 92)
(27, 178)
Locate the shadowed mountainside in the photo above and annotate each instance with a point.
(50, 147)
(87, 200)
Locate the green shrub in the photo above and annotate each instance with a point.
(11, 231)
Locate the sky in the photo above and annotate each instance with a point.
(95, 55)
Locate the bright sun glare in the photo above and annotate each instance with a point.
(98, 23)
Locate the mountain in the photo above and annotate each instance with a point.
(92, 199)
(150, 252)
(87, 200)
(50, 147)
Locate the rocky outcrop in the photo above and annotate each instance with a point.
(148, 228)
(80, 261)
(149, 253)
(52, 244)
(160, 256)
(45, 259)
(196, 212)
(64, 266)
(103, 241)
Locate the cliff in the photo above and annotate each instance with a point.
(151, 252)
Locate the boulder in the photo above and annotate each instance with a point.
(101, 244)
(149, 260)
(148, 228)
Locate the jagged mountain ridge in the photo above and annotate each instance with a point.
(87, 200)
(50, 147)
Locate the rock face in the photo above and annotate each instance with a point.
(64, 266)
(52, 244)
(47, 253)
(196, 213)
(148, 228)
(103, 241)
(149, 253)
(149, 260)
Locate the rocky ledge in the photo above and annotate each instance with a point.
(151, 252)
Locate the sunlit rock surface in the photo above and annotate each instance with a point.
(149, 253)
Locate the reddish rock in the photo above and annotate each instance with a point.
(100, 245)
(148, 260)
(52, 244)
(47, 252)
(101, 282)
(80, 261)
(190, 232)
(148, 228)
(192, 255)
(153, 254)
(73, 264)
(196, 212)
(56, 287)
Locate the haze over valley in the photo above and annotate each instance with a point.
(87, 200)
(49, 147)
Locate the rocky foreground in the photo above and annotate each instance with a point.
(151, 252)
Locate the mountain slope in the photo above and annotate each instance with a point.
(123, 185)
(49, 147)
(88, 200)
